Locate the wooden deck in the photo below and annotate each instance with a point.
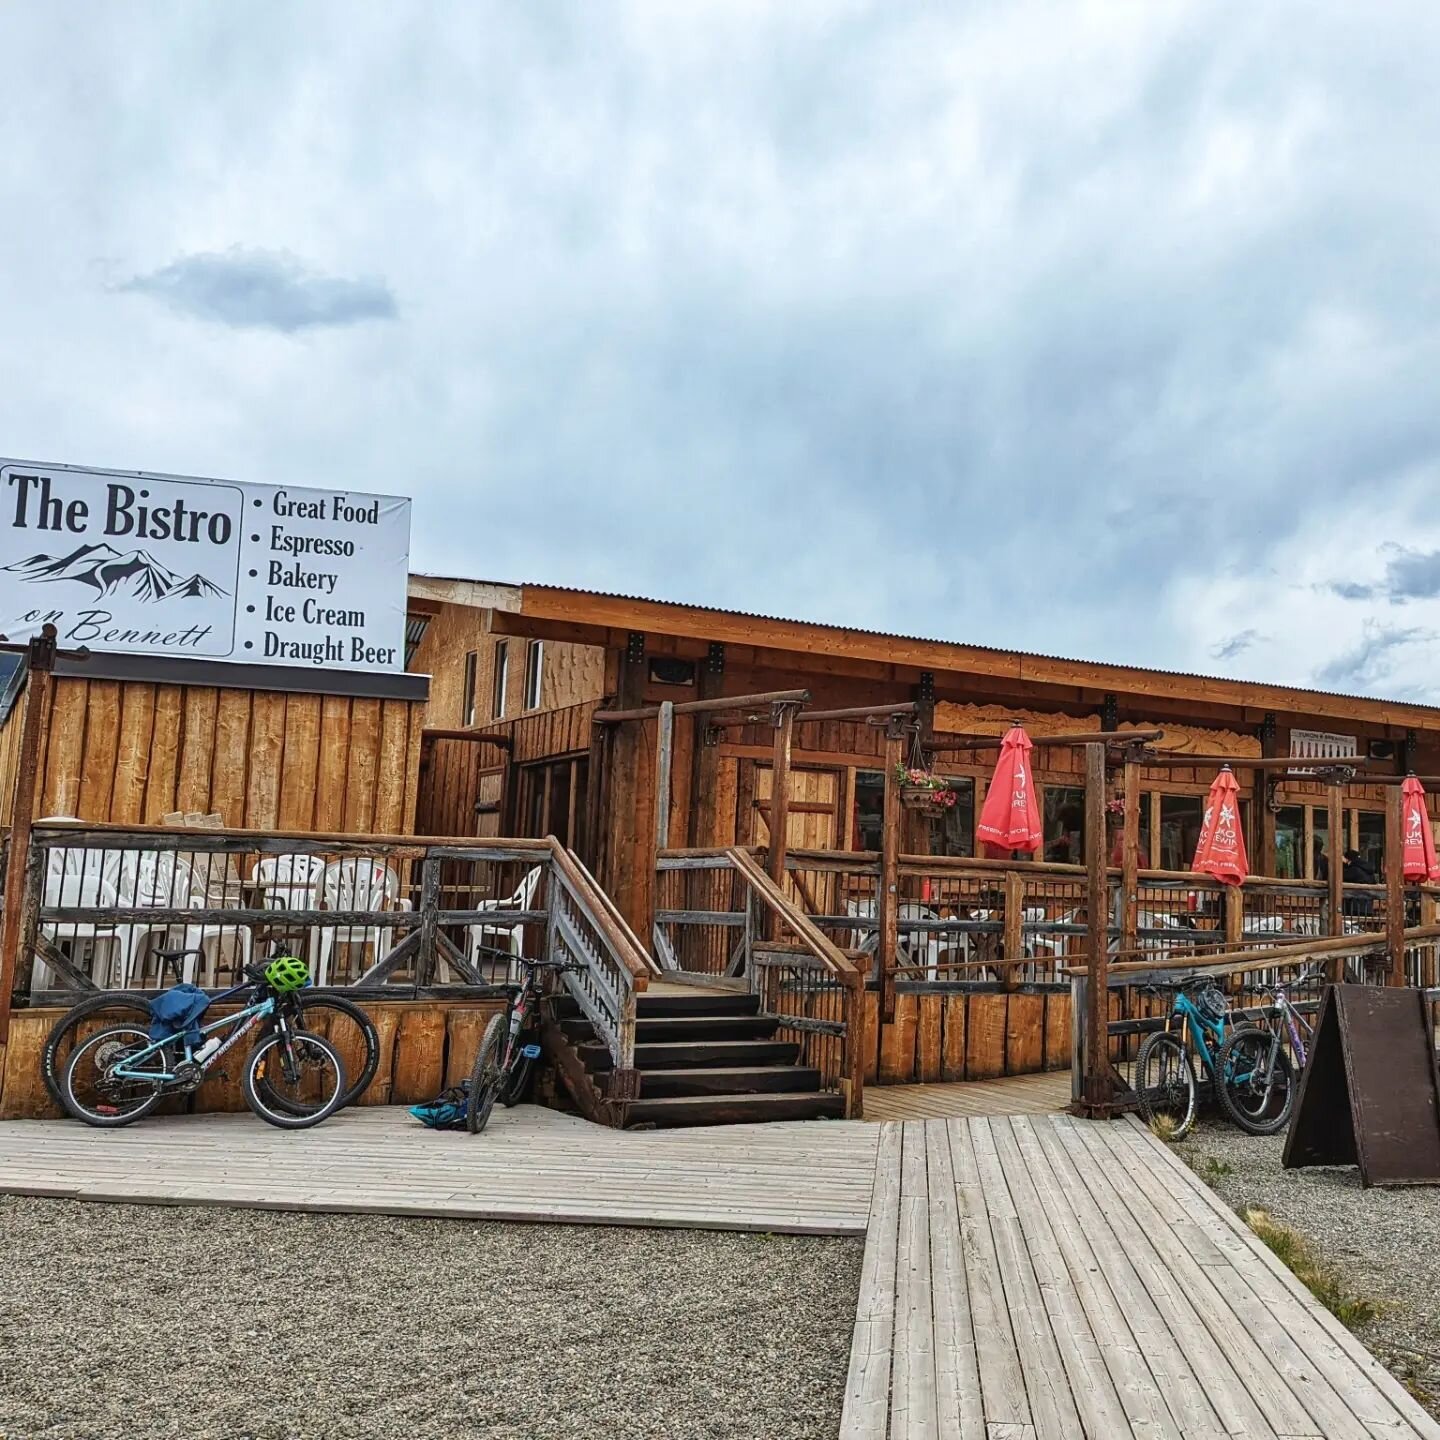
(1016, 1095)
(807, 1178)
(1038, 1277)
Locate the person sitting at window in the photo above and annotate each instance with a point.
(1357, 872)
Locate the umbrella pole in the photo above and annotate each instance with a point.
(1335, 850)
(1099, 1087)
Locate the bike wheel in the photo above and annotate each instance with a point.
(89, 1094)
(103, 1010)
(1256, 1093)
(1164, 1082)
(486, 1078)
(304, 1070)
(351, 1031)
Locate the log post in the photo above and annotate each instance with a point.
(1099, 1091)
(20, 898)
(784, 722)
(888, 901)
(1260, 784)
(701, 826)
(1130, 859)
(592, 850)
(1014, 937)
(1394, 885)
(664, 760)
(1334, 858)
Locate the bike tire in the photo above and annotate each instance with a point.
(364, 1047)
(485, 1077)
(1171, 1089)
(89, 1114)
(518, 1086)
(54, 1056)
(293, 1116)
(1272, 1117)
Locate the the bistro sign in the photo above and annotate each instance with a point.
(168, 564)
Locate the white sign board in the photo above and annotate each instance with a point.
(170, 565)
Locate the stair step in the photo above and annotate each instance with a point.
(684, 1027)
(693, 1054)
(696, 1002)
(734, 1109)
(731, 1080)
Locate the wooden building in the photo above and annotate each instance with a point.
(633, 652)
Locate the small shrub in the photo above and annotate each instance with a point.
(1323, 1281)
(1212, 1170)
(1163, 1127)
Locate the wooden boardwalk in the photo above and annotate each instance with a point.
(801, 1177)
(1042, 1278)
(1014, 1095)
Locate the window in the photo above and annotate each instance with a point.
(499, 681)
(1370, 839)
(1180, 820)
(534, 673)
(467, 700)
(869, 809)
(1320, 859)
(953, 833)
(1064, 824)
(1290, 842)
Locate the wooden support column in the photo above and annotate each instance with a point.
(702, 827)
(1014, 938)
(1099, 1090)
(592, 847)
(21, 899)
(1260, 783)
(1334, 859)
(664, 761)
(1394, 885)
(888, 907)
(1130, 862)
(780, 803)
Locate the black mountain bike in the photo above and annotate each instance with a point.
(344, 1023)
(509, 1049)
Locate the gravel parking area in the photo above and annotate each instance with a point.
(1384, 1243)
(137, 1322)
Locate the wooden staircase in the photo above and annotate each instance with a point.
(702, 1057)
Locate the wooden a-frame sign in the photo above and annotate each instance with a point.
(1370, 1095)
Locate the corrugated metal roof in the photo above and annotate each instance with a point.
(938, 640)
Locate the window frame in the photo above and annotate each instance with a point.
(499, 679)
(468, 687)
(534, 675)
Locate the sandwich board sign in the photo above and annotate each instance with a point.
(176, 565)
(1370, 1094)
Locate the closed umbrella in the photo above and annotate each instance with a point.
(1418, 860)
(1010, 818)
(1221, 849)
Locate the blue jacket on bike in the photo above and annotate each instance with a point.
(178, 1010)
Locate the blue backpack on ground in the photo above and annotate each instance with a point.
(447, 1110)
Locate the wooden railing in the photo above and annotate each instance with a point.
(585, 928)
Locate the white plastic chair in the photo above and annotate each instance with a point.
(77, 876)
(512, 937)
(162, 879)
(352, 883)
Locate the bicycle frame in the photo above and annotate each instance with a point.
(243, 1021)
(1198, 1030)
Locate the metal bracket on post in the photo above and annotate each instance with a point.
(1266, 734)
(1110, 714)
(635, 647)
(715, 658)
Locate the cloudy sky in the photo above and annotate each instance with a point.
(1100, 329)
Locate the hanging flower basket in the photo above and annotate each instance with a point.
(923, 792)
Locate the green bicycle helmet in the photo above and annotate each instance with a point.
(286, 973)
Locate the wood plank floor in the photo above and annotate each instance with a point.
(1014, 1095)
(800, 1177)
(1035, 1277)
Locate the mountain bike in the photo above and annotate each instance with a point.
(1164, 1076)
(293, 1078)
(508, 1051)
(341, 1021)
(1260, 1072)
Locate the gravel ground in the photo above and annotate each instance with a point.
(1384, 1243)
(211, 1324)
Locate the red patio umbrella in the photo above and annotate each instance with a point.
(1221, 850)
(1010, 818)
(1418, 860)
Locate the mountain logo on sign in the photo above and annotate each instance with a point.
(136, 573)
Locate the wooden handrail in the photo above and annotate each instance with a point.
(185, 832)
(619, 937)
(814, 939)
(613, 910)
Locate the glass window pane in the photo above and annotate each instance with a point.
(1321, 867)
(1064, 824)
(1290, 842)
(953, 833)
(1180, 819)
(869, 809)
(1372, 841)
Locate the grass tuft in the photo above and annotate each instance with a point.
(1163, 1127)
(1213, 1170)
(1323, 1281)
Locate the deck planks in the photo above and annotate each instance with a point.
(1084, 1285)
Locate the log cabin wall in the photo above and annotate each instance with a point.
(130, 739)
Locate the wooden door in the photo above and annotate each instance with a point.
(814, 824)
